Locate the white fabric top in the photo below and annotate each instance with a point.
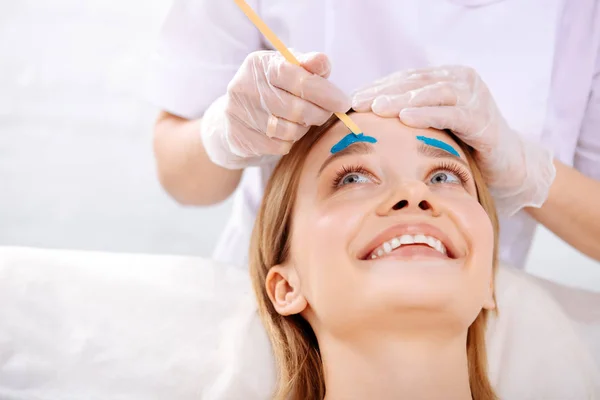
(540, 59)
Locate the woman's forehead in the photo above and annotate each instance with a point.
(389, 133)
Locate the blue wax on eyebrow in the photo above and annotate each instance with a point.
(349, 139)
(439, 144)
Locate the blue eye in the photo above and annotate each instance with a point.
(353, 177)
(348, 175)
(444, 177)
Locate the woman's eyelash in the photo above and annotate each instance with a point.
(349, 169)
(462, 174)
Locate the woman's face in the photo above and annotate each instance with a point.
(386, 229)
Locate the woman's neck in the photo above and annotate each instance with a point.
(396, 368)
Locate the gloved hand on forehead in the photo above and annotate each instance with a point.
(518, 172)
(270, 103)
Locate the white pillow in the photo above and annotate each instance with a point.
(87, 325)
(534, 350)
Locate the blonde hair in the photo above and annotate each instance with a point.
(300, 369)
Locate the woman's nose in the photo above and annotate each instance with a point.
(413, 196)
(423, 205)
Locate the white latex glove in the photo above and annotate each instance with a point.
(270, 103)
(518, 172)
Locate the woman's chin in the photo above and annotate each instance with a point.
(415, 281)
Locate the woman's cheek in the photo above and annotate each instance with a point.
(475, 223)
(325, 220)
(321, 246)
(454, 190)
(334, 222)
(340, 216)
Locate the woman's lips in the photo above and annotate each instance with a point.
(406, 240)
(410, 239)
(414, 250)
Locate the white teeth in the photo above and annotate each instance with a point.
(443, 249)
(406, 239)
(389, 246)
(431, 242)
(439, 246)
(421, 239)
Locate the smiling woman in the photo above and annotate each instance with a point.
(374, 266)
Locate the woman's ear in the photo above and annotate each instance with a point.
(490, 300)
(283, 288)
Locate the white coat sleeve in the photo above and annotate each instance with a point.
(201, 45)
(587, 152)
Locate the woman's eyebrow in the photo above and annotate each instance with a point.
(355, 148)
(435, 152)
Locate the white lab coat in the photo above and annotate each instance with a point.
(540, 59)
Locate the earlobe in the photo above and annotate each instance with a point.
(283, 288)
(490, 300)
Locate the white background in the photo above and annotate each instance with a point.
(76, 162)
